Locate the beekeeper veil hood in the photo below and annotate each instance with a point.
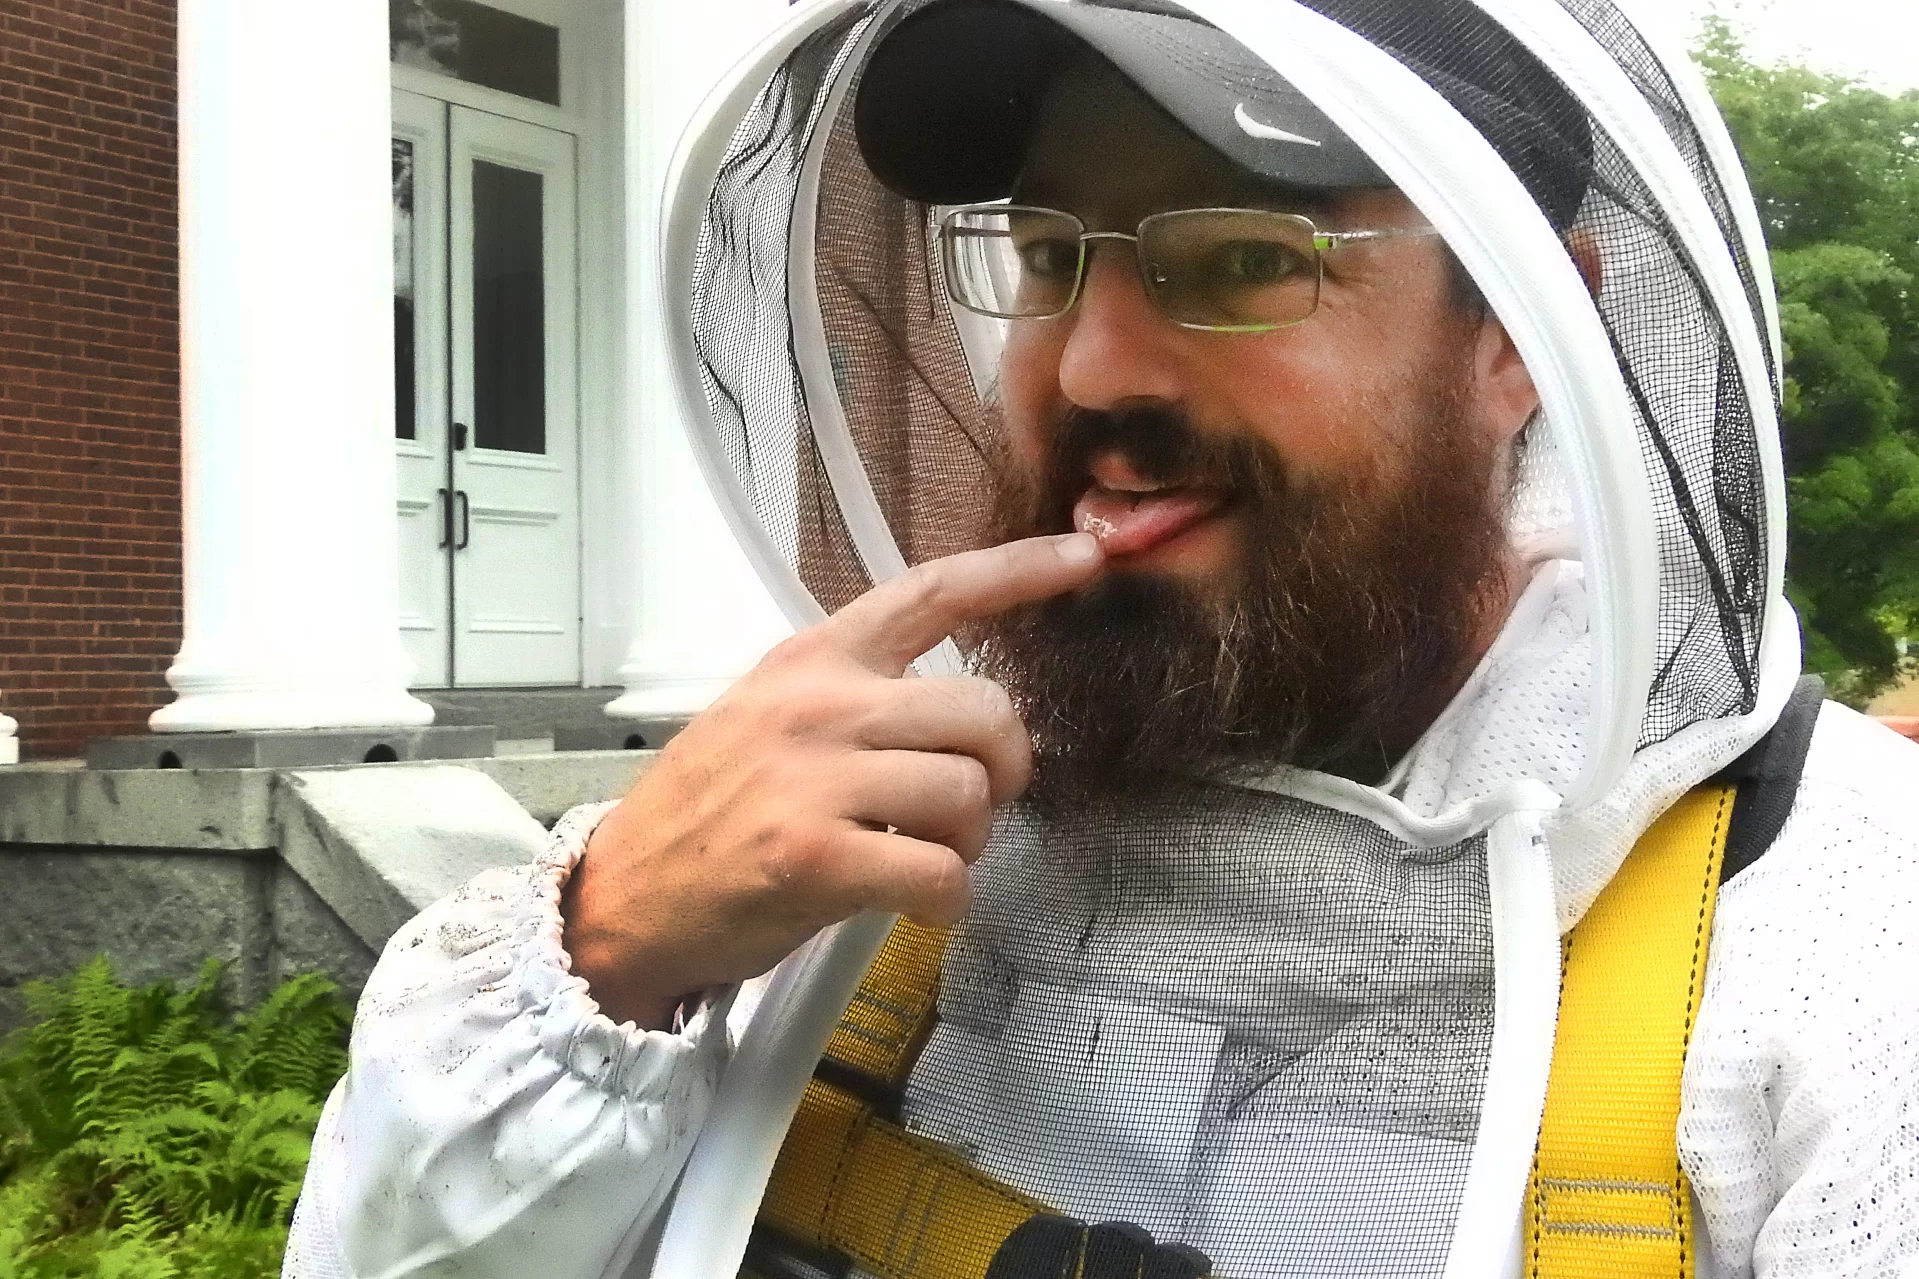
(1299, 1023)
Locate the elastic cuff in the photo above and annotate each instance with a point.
(615, 1057)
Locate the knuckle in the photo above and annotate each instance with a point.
(1010, 753)
(791, 651)
(970, 842)
(972, 787)
(824, 702)
(795, 852)
(799, 704)
(1019, 770)
(811, 647)
(947, 887)
(927, 587)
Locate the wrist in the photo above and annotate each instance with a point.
(597, 960)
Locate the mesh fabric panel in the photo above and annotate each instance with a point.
(1696, 430)
(1230, 1018)
(928, 443)
(924, 437)
(742, 330)
(1603, 19)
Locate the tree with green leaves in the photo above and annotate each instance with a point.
(1834, 166)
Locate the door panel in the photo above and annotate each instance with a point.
(420, 404)
(513, 290)
(486, 424)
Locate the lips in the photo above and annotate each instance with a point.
(1131, 513)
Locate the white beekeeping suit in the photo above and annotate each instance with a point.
(1298, 1023)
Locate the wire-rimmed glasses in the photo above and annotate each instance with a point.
(1219, 270)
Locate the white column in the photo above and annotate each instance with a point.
(9, 742)
(286, 351)
(702, 617)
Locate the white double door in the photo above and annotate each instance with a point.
(486, 371)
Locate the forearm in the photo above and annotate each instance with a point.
(493, 1121)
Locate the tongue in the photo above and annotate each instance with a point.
(1131, 523)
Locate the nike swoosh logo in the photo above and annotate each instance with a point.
(1254, 129)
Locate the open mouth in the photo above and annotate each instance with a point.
(1132, 513)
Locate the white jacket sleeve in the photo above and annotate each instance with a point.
(1799, 1123)
(493, 1121)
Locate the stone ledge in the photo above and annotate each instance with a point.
(225, 810)
(222, 809)
(548, 785)
(290, 748)
(275, 871)
(379, 845)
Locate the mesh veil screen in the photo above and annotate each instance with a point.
(926, 440)
(1615, 31)
(1696, 429)
(929, 444)
(742, 329)
(1239, 1021)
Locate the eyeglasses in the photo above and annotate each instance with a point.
(1220, 270)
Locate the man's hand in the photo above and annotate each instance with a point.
(821, 785)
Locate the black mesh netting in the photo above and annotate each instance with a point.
(924, 437)
(742, 328)
(1696, 428)
(1616, 32)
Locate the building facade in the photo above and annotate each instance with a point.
(328, 377)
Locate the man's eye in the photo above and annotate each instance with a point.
(1256, 262)
(1050, 258)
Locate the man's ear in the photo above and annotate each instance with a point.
(1583, 248)
(1503, 393)
(1507, 399)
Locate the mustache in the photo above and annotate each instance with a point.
(1158, 440)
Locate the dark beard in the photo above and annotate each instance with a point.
(1357, 614)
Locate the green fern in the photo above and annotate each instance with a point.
(144, 1136)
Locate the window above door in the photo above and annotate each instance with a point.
(478, 44)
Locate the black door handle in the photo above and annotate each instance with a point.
(446, 519)
(466, 520)
(459, 437)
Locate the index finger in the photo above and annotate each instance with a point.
(896, 621)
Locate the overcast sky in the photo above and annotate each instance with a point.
(1876, 40)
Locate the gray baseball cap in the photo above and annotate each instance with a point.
(949, 98)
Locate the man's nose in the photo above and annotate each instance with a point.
(1121, 348)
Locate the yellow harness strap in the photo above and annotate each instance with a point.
(1608, 1198)
(897, 1205)
(850, 1181)
(892, 1012)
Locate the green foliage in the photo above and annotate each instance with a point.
(143, 1136)
(1835, 170)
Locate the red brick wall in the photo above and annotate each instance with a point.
(89, 383)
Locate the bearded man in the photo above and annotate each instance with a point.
(1363, 415)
